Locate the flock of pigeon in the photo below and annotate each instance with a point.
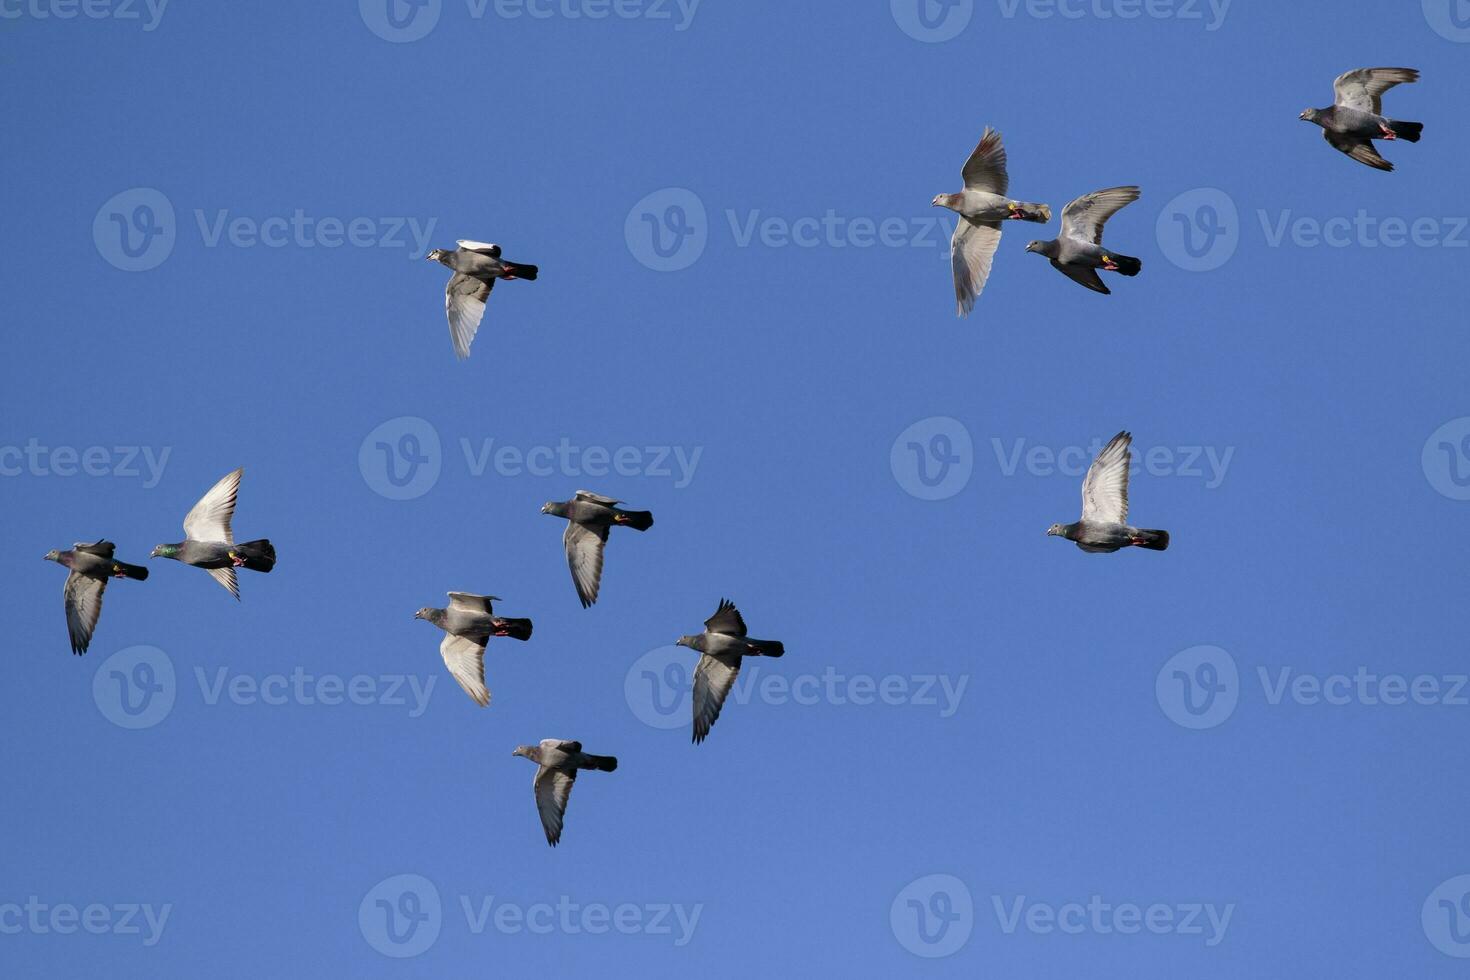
(1350, 125)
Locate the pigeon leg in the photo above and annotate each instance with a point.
(236, 560)
(1388, 134)
(1109, 264)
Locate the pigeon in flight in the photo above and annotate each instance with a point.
(1078, 251)
(1355, 119)
(90, 566)
(208, 542)
(589, 515)
(476, 266)
(722, 646)
(982, 206)
(1104, 525)
(468, 624)
(558, 763)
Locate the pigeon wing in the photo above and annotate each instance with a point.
(210, 518)
(970, 253)
(83, 597)
(464, 305)
(1084, 274)
(986, 168)
(1105, 488)
(713, 679)
(1084, 218)
(596, 498)
(484, 248)
(726, 620)
(102, 548)
(1359, 149)
(584, 556)
(553, 789)
(470, 602)
(1363, 88)
(226, 577)
(466, 662)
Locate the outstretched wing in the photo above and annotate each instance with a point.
(1084, 218)
(1359, 149)
(726, 620)
(584, 545)
(713, 679)
(1084, 274)
(553, 790)
(470, 602)
(1363, 88)
(83, 597)
(1105, 488)
(596, 498)
(102, 548)
(464, 305)
(226, 577)
(986, 168)
(210, 518)
(466, 662)
(971, 251)
(484, 248)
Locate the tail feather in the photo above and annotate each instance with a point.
(129, 571)
(1127, 264)
(516, 629)
(602, 763)
(638, 520)
(1039, 213)
(767, 648)
(522, 271)
(1410, 131)
(258, 556)
(1152, 540)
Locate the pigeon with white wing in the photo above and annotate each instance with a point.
(1104, 525)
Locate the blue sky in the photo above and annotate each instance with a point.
(981, 742)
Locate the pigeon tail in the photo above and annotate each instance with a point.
(638, 520)
(1152, 540)
(602, 763)
(518, 271)
(516, 629)
(1025, 211)
(1406, 130)
(1127, 265)
(258, 556)
(129, 571)
(767, 648)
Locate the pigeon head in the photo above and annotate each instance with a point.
(1310, 115)
(944, 201)
(437, 255)
(554, 508)
(1049, 249)
(1056, 530)
(524, 750)
(692, 642)
(165, 551)
(52, 555)
(432, 615)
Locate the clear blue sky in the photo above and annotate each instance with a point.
(1327, 537)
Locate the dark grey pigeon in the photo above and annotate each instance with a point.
(90, 565)
(982, 206)
(722, 646)
(559, 762)
(589, 515)
(1104, 525)
(476, 266)
(210, 544)
(468, 624)
(1355, 119)
(1078, 251)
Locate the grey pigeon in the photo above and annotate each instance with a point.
(210, 544)
(1078, 251)
(722, 646)
(468, 624)
(1104, 525)
(589, 515)
(1355, 119)
(476, 266)
(559, 762)
(90, 566)
(982, 206)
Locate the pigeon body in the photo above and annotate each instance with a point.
(1078, 252)
(89, 567)
(558, 762)
(1104, 525)
(468, 623)
(589, 516)
(982, 206)
(476, 266)
(209, 543)
(1355, 119)
(722, 646)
